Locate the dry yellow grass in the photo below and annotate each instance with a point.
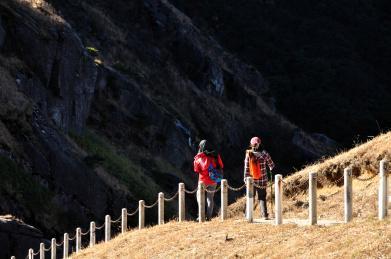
(236, 238)
(365, 236)
(364, 159)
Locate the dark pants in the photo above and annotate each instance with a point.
(209, 200)
(261, 193)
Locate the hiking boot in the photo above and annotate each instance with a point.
(264, 214)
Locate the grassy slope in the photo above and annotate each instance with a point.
(248, 240)
(365, 236)
(364, 160)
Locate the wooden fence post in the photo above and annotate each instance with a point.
(41, 251)
(53, 252)
(348, 194)
(66, 246)
(107, 228)
(383, 189)
(312, 199)
(201, 202)
(278, 198)
(78, 240)
(249, 199)
(161, 208)
(124, 220)
(92, 233)
(141, 214)
(224, 199)
(181, 202)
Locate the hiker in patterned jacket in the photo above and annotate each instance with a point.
(209, 166)
(255, 165)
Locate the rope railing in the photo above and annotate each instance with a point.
(116, 221)
(100, 227)
(60, 244)
(85, 233)
(72, 238)
(224, 187)
(365, 179)
(153, 205)
(236, 189)
(325, 182)
(172, 198)
(261, 187)
(213, 191)
(191, 192)
(133, 213)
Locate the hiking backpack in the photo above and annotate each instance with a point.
(215, 173)
(254, 166)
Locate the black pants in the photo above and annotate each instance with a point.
(261, 193)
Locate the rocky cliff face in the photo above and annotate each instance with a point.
(16, 236)
(104, 103)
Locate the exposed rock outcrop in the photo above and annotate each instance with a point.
(18, 237)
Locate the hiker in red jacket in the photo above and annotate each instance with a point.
(255, 165)
(209, 166)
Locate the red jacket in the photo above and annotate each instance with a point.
(201, 164)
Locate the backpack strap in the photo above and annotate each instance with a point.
(250, 153)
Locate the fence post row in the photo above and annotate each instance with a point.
(66, 246)
(41, 251)
(107, 228)
(141, 214)
(161, 208)
(92, 233)
(181, 202)
(278, 198)
(201, 202)
(312, 199)
(78, 240)
(348, 208)
(249, 198)
(383, 189)
(124, 220)
(53, 252)
(348, 194)
(224, 199)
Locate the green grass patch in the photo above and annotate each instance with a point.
(92, 51)
(102, 153)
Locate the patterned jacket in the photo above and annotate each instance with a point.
(264, 160)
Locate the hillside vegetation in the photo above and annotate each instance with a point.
(365, 236)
